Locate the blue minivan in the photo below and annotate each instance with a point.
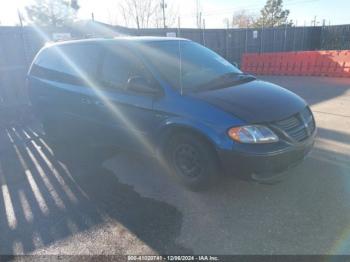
(171, 98)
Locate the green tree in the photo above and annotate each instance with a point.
(273, 14)
(52, 12)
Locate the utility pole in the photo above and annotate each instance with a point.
(227, 23)
(314, 21)
(198, 14)
(137, 22)
(163, 6)
(203, 32)
(20, 18)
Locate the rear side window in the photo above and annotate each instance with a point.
(116, 71)
(72, 64)
(118, 66)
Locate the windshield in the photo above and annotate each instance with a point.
(198, 66)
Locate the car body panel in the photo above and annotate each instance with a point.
(255, 101)
(139, 122)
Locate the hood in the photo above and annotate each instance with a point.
(255, 101)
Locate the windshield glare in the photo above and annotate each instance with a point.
(198, 66)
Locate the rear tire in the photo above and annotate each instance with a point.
(192, 161)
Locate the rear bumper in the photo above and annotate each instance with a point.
(264, 161)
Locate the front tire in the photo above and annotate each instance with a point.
(192, 161)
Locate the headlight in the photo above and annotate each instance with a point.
(252, 134)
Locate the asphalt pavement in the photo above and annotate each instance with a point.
(74, 201)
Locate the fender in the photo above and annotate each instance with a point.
(216, 138)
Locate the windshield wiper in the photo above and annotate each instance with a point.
(246, 77)
(225, 80)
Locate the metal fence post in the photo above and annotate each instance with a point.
(322, 36)
(294, 29)
(261, 38)
(285, 38)
(246, 40)
(226, 44)
(203, 32)
(273, 40)
(302, 39)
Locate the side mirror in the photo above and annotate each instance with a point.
(141, 85)
(235, 64)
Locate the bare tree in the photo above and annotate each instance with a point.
(242, 19)
(124, 13)
(146, 13)
(52, 12)
(138, 12)
(113, 18)
(171, 15)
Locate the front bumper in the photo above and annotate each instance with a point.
(264, 160)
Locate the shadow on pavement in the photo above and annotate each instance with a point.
(334, 135)
(50, 194)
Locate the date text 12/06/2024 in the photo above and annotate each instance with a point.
(173, 258)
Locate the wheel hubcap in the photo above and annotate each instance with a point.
(187, 160)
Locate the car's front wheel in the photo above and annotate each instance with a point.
(193, 161)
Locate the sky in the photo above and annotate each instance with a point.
(214, 11)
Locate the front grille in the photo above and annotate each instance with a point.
(299, 126)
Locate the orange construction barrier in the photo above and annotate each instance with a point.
(332, 63)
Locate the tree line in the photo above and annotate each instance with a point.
(152, 13)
